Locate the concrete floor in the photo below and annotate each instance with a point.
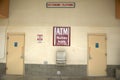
(49, 78)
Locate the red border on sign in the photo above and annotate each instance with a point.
(61, 36)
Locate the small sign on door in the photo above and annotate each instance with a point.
(96, 45)
(15, 44)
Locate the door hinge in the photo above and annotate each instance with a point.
(105, 38)
(105, 54)
(7, 37)
(106, 69)
(6, 68)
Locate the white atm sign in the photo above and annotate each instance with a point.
(61, 36)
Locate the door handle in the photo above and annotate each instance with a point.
(89, 55)
(22, 56)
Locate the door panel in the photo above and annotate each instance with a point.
(15, 55)
(97, 55)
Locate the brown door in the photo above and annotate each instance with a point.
(15, 54)
(97, 55)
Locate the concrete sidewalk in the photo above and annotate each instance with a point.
(51, 78)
